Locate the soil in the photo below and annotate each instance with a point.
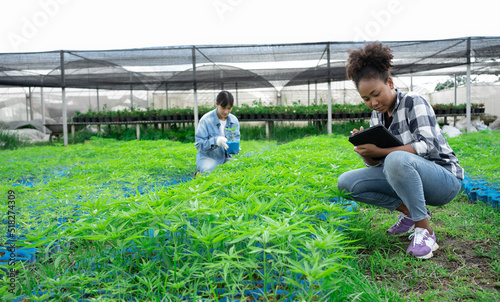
(465, 257)
(270, 298)
(458, 258)
(245, 298)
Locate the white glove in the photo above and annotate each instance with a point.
(221, 141)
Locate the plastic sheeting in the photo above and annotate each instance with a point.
(28, 135)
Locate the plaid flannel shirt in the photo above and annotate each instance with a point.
(414, 123)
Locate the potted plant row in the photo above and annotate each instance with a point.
(244, 112)
(297, 112)
(135, 114)
(442, 109)
(477, 108)
(255, 112)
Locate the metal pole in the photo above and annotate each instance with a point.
(469, 125)
(316, 92)
(195, 100)
(166, 96)
(411, 82)
(64, 113)
(345, 92)
(329, 118)
(131, 97)
(43, 109)
(308, 92)
(31, 104)
(455, 86)
(97, 95)
(236, 85)
(27, 104)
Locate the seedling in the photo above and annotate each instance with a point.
(232, 140)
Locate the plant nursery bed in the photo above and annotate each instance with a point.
(269, 226)
(194, 222)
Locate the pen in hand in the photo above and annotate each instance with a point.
(356, 130)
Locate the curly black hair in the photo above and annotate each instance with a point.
(373, 61)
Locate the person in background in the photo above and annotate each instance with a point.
(424, 171)
(211, 138)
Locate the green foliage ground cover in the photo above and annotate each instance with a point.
(214, 232)
(56, 177)
(52, 178)
(479, 154)
(206, 220)
(197, 236)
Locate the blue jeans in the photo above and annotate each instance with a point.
(404, 178)
(208, 164)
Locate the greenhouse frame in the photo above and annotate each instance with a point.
(235, 67)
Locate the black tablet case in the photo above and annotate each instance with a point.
(377, 135)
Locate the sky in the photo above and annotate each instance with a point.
(46, 25)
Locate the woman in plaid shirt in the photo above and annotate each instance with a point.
(424, 171)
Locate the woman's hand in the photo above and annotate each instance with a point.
(356, 130)
(366, 150)
(221, 141)
(369, 150)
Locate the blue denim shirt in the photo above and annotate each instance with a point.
(209, 154)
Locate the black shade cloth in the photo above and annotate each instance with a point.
(241, 66)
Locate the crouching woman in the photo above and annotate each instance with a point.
(212, 133)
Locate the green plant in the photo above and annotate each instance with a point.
(202, 110)
(78, 114)
(478, 154)
(113, 114)
(258, 108)
(125, 112)
(138, 113)
(232, 134)
(200, 230)
(259, 219)
(90, 113)
(151, 112)
(10, 140)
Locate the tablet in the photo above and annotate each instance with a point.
(377, 135)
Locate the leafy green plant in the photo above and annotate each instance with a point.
(200, 229)
(266, 218)
(232, 134)
(10, 140)
(478, 154)
(256, 108)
